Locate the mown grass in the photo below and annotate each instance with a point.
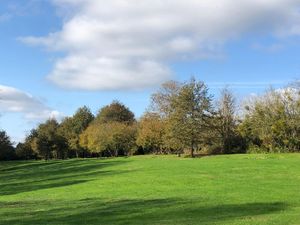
(167, 190)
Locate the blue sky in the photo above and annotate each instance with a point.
(58, 55)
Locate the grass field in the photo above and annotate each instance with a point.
(236, 189)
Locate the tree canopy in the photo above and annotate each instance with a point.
(115, 112)
(182, 117)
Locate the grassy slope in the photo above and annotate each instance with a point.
(239, 189)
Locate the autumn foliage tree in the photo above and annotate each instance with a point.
(161, 107)
(181, 117)
(151, 133)
(112, 133)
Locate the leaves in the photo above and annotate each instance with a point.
(274, 119)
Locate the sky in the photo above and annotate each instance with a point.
(58, 55)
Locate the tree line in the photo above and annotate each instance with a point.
(183, 118)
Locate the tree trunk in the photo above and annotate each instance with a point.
(192, 153)
(192, 149)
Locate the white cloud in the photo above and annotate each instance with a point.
(123, 44)
(80, 72)
(14, 100)
(247, 85)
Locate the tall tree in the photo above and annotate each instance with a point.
(161, 104)
(226, 122)
(190, 111)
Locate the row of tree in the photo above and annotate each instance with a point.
(182, 117)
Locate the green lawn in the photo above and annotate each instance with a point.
(167, 190)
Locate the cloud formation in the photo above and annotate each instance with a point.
(128, 44)
(14, 100)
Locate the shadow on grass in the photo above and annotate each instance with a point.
(157, 211)
(31, 176)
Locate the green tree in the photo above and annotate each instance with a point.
(272, 121)
(115, 112)
(190, 112)
(72, 127)
(7, 151)
(48, 142)
(25, 150)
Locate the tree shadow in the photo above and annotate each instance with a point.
(19, 165)
(31, 176)
(156, 211)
